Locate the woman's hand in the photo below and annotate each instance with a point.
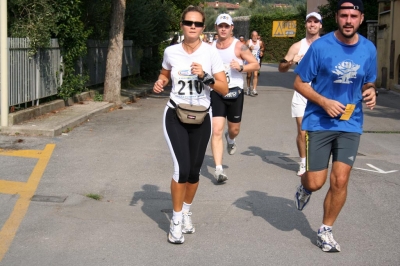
(197, 69)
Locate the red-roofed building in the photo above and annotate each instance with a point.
(229, 6)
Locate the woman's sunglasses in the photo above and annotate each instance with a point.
(189, 23)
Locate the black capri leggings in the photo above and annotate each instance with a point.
(188, 144)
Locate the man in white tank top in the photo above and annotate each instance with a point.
(294, 56)
(230, 106)
(256, 47)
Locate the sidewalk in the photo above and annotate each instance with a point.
(55, 118)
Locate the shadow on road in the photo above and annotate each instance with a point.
(273, 157)
(281, 213)
(151, 196)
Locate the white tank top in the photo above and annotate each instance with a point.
(297, 97)
(256, 49)
(303, 47)
(234, 77)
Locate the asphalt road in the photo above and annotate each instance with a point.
(251, 220)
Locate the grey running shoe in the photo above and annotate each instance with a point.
(326, 242)
(220, 175)
(301, 197)
(230, 147)
(254, 92)
(302, 169)
(175, 235)
(248, 91)
(187, 225)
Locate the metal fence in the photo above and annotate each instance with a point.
(95, 61)
(32, 78)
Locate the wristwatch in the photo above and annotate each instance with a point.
(376, 91)
(241, 68)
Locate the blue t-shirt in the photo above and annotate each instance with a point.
(337, 71)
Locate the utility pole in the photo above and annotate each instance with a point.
(3, 63)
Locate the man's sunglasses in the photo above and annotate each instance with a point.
(189, 23)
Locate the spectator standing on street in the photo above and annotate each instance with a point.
(342, 68)
(174, 40)
(194, 68)
(230, 106)
(294, 56)
(257, 49)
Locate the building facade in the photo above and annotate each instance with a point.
(388, 44)
(312, 5)
(229, 6)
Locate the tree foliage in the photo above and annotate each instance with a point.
(41, 20)
(96, 16)
(33, 19)
(147, 22)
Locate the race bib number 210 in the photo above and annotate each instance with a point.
(188, 86)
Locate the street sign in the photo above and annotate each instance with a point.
(284, 28)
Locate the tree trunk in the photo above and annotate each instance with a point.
(112, 82)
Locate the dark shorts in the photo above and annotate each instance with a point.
(321, 144)
(232, 109)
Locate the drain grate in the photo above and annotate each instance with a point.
(55, 199)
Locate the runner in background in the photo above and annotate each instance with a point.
(257, 49)
(294, 55)
(230, 106)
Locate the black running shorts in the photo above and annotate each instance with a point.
(231, 109)
(321, 144)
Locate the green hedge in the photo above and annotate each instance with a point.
(276, 48)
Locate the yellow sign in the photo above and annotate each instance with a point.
(284, 28)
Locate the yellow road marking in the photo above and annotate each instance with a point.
(22, 153)
(25, 192)
(11, 187)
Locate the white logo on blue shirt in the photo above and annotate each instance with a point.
(346, 70)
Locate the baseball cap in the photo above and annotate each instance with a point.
(224, 18)
(357, 5)
(315, 15)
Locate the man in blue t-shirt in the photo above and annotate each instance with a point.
(341, 67)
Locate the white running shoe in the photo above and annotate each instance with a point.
(302, 169)
(175, 235)
(231, 148)
(187, 225)
(254, 92)
(326, 242)
(301, 197)
(220, 175)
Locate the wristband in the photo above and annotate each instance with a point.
(207, 79)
